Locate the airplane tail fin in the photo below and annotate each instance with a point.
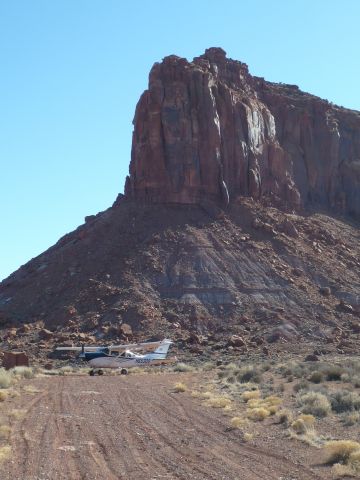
(161, 351)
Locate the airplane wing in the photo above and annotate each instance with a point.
(144, 346)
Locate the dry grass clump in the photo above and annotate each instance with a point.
(269, 404)
(285, 417)
(66, 370)
(227, 410)
(31, 389)
(24, 372)
(3, 395)
(258, 414)
(6, 378)
(351, 418)
(303, 429)
(180, 387)
(239, 422)
(17, 414)
(5, 431)
(314, 403)
(220, 401)
(248, 436)
(182, 367)
(250, 395)
(340, 451)
(303, 424)
(4, 452)
(202, 395)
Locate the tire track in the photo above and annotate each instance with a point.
(131, 428)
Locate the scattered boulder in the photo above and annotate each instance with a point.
(289, 228)
(15, 359)
(311, 358)
(126, 330)
(45, 334)
(236, 341)
(326, 291)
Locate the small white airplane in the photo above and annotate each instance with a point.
(121, 357)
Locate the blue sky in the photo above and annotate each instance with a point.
(73, 70)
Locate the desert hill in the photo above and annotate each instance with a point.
(239, 226)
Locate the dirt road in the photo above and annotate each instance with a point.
(132, 428)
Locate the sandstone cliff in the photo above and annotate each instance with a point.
(207, 130)
(156, 263)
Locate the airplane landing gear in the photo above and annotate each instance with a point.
(92, 372)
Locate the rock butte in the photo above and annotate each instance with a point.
(198, 245)
(207, 130)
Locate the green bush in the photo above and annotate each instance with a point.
(345, 401)
(316, 377)
(333, 373)
(249, 374)
(314, 403)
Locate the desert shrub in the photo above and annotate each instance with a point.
(24, 372)
(351, 418)
(272, 400)
(345, 401)
(314, 403)
(356, 381)
(249, 374)
(248, 436)
(339, 451)
(17, 414)
(273, 409)
(285, 417)
(239, 422)
(6, 378)
(333, 372)
(180, 387)
(218, 401)
(250, 395)
(4, 452)
(345, 377)
(303, 424)
(316, 377)
(281, 388)
(183, 367)
(3, 395)
(231, 379)
(5, 431)
(258, 414)
(302, 385)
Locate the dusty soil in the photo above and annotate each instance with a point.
(134, 428)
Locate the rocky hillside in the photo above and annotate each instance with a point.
(238, 227)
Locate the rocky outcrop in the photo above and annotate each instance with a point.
(207, 130)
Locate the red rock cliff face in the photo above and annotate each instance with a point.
(208, 130)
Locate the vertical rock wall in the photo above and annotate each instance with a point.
(208, 130)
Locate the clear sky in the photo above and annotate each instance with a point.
(73, 70)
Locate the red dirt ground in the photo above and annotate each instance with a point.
(135, 428)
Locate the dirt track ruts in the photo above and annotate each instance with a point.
(132, 428)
